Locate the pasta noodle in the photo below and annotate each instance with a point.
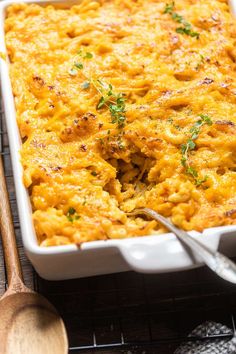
(124, 104)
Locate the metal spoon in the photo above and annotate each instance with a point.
(216, 261)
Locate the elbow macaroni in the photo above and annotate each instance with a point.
(84, 172)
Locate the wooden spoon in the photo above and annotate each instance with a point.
(29, 324)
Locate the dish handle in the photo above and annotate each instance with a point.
(166, 253)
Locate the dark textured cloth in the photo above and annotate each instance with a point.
(218, 346)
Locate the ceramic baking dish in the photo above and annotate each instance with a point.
(151, 254)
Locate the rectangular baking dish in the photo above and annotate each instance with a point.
(150, 254)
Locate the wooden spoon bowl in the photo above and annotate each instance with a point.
(30, 324)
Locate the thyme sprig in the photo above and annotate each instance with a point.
(114, 101)
(78, 65)
(186, 27)
(191, 145)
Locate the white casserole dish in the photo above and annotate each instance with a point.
(151, 254)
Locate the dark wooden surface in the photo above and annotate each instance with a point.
(128, 312)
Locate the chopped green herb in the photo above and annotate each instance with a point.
(73, 72)
(85, 85)
(199, 181)
(177, 18)
(115, 103)
(169, 8)
(191, 145)
(117, 111)
(183, 161)
(101, 102)
(71, 211)
(72, 215)
(94, 173)
(186, 27)
(88, 55)
(78, 65)
(188, 31)
(206, 119)
(191, 171)
(109, 92)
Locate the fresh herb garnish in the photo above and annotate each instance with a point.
(199, 181)
(186, 27)
(101, 102)
(85, 85)
(169, 8)
(117, 111)
(71, 211)
(72, 215)
(115, 102)
(73, 72)
(88, 55)
(94, 173)
(191, 145)
(187, 30)
(69, 217)
(79, 66)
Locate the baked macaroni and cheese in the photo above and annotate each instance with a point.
(123, 104)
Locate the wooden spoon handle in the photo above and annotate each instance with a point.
(13, 267)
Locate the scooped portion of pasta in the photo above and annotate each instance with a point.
(123, 104)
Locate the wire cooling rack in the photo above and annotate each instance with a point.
(128, 312)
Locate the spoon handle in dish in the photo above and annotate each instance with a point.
(216, 261)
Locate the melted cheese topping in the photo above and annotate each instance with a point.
(85, 172)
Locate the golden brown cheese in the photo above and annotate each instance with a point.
(169, 70)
